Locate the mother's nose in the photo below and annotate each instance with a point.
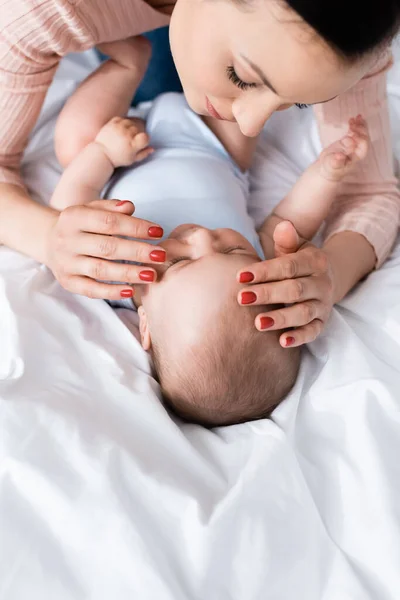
(252, 113)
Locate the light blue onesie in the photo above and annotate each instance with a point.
(190, 178)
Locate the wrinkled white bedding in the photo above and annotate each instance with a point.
(103, 496)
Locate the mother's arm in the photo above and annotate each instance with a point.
(33, 38)
(351, 258)
(369, 202)
(28, 61)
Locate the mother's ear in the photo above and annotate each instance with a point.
(144, 329)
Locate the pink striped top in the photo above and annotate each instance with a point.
(35, 34)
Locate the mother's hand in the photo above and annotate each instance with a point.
(300, 276)
(84, 242)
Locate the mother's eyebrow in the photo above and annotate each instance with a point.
(260, 73)
(267, 83)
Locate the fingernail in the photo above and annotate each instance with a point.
(155, 232)
(289, 341)
(121, 202)
(248, 297)
(158, 255)
(146, 275)
(266, 322)
(126, 293)
(246, 277)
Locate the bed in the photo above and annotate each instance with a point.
(103, 495)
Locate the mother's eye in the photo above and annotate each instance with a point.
(234, 77)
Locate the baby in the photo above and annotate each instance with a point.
(213, 366)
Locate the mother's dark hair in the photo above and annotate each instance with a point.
(351, 27)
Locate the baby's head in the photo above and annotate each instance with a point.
(213, 366)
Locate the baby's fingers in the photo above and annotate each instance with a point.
(140, 141)
(359, 126)
(144, 154)
(359, 134)
(302, 335)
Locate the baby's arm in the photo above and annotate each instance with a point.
(106, 93)
(119, 143)
(309, 202)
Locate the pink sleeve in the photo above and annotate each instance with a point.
(369, 202)
(34, 35)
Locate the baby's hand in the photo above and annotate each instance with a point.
(125, 141)
(338, 159)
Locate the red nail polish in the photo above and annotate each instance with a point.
(289, 341)
(246, 277)
(155, 232)
(266, 322)
(146, 275)
(158, 255)
(126, 293)
(121, 202)
(248, 297)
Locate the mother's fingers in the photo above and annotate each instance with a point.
(286, 239)
(288, 291)
(291, 316)
(85, 286)
(122, 206)
(302, 335)
(308, 261)
(105, 270)
(110, 222)
(115, 248)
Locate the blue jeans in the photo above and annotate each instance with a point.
(161, 75)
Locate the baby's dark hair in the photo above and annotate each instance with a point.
(235, 374)
(353, 28)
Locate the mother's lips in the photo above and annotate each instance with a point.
(212, 111)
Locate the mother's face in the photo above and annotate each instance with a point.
(245, 59)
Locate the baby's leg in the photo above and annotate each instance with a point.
(309, 202)
(106, 93)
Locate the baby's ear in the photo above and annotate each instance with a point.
(144, 329)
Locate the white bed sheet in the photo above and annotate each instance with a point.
(103, 495)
